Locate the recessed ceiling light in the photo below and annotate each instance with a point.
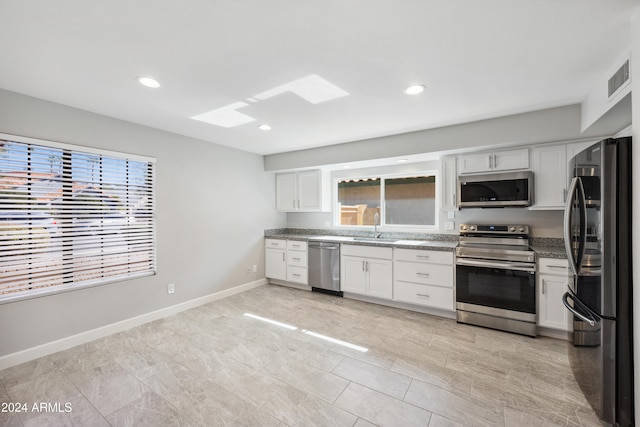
(402, 160)
(415, 89)
(264, 127)
(148, 82)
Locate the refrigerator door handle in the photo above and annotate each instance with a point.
(575, 188)
(565, 301)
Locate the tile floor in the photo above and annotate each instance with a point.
(214, 366)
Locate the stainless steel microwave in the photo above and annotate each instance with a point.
(495, 190)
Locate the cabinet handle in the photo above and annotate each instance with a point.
(296, 259)
(422, 274)
(564, 195)
(422, 256)
(423, 295)
(490, 161)
(367, 266)
(363, 266)
(544, 286)
(283, 257)
(294, 274)
(563, 267)
(495, 161)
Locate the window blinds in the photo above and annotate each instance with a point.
(71, 218)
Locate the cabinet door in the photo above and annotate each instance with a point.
(472, 163)
(550, 177)
(449, 184)
(309, 191)
(286, 199)
(510, 160)
(380, 278)
(353, 275)
(275, 264)
(551, 312)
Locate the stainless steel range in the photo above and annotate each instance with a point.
(495, 278)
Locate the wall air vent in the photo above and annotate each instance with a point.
(619, 78)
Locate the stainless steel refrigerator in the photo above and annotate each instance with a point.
(597, 228)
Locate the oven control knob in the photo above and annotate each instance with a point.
(472, 228)
(512, 229)
(521, 229)
(464, 227)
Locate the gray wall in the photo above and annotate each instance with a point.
(213, 204)
(551, 125)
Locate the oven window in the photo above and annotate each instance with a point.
(499, 288)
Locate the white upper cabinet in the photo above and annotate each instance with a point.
(549, 176)
(448, 183)
(494, 161)
(551, 173)
(305, 191)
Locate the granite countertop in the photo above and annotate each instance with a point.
(397, 240)
(543, 247)
(550, 252)
(548, 247)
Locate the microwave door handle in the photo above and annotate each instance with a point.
(568, 216)
(565, 301)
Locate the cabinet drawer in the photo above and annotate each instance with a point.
(297, 275)
(296, 245)
(428, 274)
(275, 244)
(436, 257)
(297, 258)
(557, 266)
(430, 296)
(367, 251)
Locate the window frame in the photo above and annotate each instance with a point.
(104, 155)
(383, 177)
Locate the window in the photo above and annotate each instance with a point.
(397, 200)
(71, 218)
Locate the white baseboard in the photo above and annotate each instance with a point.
(32, 353)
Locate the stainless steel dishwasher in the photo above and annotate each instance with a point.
(324, 267)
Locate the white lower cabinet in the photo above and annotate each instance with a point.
(553, 281)
(424, 278)
(367, 270)
(286, 260)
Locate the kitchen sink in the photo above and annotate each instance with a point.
(373, 240)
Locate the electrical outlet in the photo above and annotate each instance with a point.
(451, 215)
(171, 288)
(255, 268)
(448, 225)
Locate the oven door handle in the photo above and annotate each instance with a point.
(519, 266)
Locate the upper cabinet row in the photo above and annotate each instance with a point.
(310, 190)
(305, 191)
(549, 164)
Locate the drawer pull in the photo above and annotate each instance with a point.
(564, 267)
(422, 274)
(296, 259)
(423, 256)
(294, 274)
(423, 295)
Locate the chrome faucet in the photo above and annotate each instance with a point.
(376, 223)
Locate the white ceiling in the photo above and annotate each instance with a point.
(478, 58)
